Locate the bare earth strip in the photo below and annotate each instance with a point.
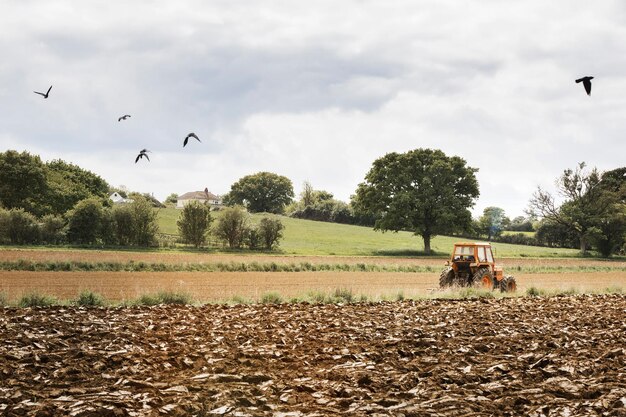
(221, 286)
(182, 257)
(532, 356)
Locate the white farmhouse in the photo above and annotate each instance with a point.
(116, 198)
(200, 196)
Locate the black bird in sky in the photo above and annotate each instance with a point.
(142, 153)
(587, 83)
(42, 94)
(124, 117)
(191, 135)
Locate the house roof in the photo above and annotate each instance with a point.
(198, 195)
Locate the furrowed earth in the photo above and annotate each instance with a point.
(534, 356)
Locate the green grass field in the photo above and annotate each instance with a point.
(307, 237)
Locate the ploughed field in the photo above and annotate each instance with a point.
(512, 356)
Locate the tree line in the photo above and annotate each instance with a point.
(423, 191)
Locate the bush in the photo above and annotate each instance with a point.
(52, 229)
(253, 238)
(194, 223)
(86, 222)
(271, 298)
(145, 226)
(18, 227)
(4, 300)
(270, 232)
(34, 299)
(90, 299)
(123, 223)
(232, 226)
(164, 297)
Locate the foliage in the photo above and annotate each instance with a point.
(90, 299)
(67, 184)
(422, 190)
(87, 222)
(492, 222)
(194, 223)
(148, 197)
(34, 299)
(165, 297)
(521, 224)
(553, 234)
(22, 182)
(18, 227)
(271, 298)
(261, 192)
(171, 199)
(590, 208)
(232, 226)
(270, 232)
(123, 223)
(145, 225)
(53, 229)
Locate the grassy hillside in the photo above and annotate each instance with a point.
(307, 237)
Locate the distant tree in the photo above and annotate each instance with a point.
(232, 226)
(492, 222)
(23, 182)
(18, 227)
(306, 196)
(146, 196)
(194, 223)
(261, 192)
(422, 190)
(521, 224)
(172, 198)
(145, 226)
(587, 204)
(67, 184)
(86, 222)
(124, 224)
(271, 231)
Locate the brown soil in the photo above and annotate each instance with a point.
(509, 357)
(221, 286)
(181, 257)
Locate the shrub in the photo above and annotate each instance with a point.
(232, 226)
(344, 295)
(86, 222)
(18, 227)
(194, 223)
(52, 229)
(533, 292)
(123, 223)
(270, 232)
(145, 226)
(165, 297)
(271, 298)
(90, 298)
(34, 299)
(253, 238)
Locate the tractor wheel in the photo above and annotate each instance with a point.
(508, 284)
(447, 278)
(483, 279)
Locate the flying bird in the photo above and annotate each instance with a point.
(142, 153)
(42, 94)
(124, 117)
(587, 83)
(191, 135)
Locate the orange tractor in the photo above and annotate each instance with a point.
(472, 265)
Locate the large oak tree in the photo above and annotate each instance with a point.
(261, 192)
(422, 190)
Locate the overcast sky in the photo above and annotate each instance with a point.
(315, 90)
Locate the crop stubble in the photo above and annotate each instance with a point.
(516, 356)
